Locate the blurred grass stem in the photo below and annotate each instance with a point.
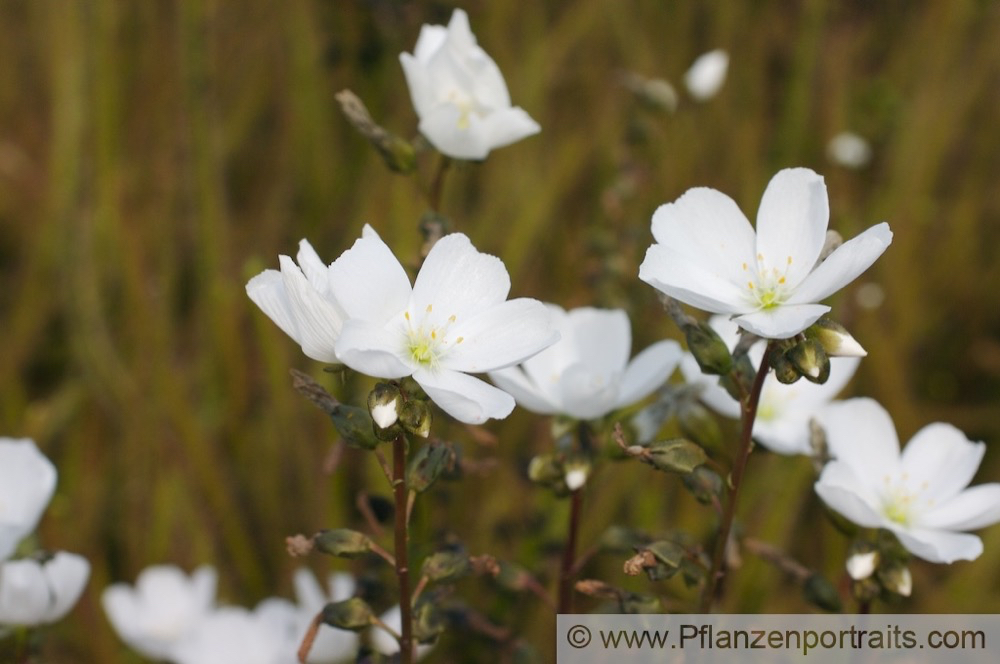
(749, 415)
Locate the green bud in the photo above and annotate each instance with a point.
(667, 552)
(708, 349)
(384, 403)
(430, 461)
(821, 593)
(835, 339)
(698, 424)
(896, 578)
(342, 542)
(545, 469)
(784, 370)
(428, 620)
(810, 360)
(353, 614)
(355, 426)
(446, 566)
(739, 381)
(677, 455)
(416, 418)
(704, 484)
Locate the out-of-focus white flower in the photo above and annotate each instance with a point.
(920, 494)
(849, 150)
(862, 565)
(459, 93)
(37, 592)
(454, 320)
(233, 635)
(709, 256)
(298, 300)
(707, 74)
(163, 608)
(331, 644)
(784, 411)
(27, 482)
(587, 373)
(385, 643)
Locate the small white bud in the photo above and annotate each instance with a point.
(707, 74)
(575, 478)
(385, 415)
(860, 566)
(849, 150)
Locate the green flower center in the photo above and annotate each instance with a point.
(769, 287)
(427, 343)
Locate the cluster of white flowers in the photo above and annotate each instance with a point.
(41, 588)
(170, 616)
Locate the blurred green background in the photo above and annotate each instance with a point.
(155, 155)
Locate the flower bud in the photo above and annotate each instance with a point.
(342, 542)
(677, 455)
(355, 426)
(428, 620)
(704, 484)
(428, 464)
(895, 577)
(575, 472)
(820, 592)
(810, 360)
(545, 469)
(862, 561)
(708, 349)
(835, 339)
(653, 93)
(446, 566)
(416, 418)
(384, 404)
(784, 370)
(739, 381)
(353, 614)
(698, 424)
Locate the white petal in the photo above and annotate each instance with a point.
(708, 228)
(862, 565)
(27, 482)
(844, 265)
(267, 291)
(791, 223)
(973, 508)
(342, 586)
(465, 398)
(585, 394)
(419, 82)
(526, 393)
(781, 322)
(313, 267)
(509, 125)
(504, 335)
(24, 593)
(600, 338)
(707, 74)
(66, 575)
(939, 546)
(430, 41)
(682, 278)
(317, 318)
(942, 459)
(369, 282)
(845, 492)
(860, 433)
(308, 592)
(454, 133)
(373, 350)
(712, 394)
(456, 279)
(788, 434)
(647, 371)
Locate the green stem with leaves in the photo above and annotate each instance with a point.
(748, 417)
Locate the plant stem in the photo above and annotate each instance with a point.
(569, 555)
(402, 541)
(749, 415)
(437, 185)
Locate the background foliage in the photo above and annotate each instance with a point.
(154, 155)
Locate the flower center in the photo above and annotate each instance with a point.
(466, 106)
(901, 503)
(769, 287)
(427, 342)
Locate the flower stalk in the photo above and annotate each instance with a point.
(402, 542)
(749, 415)
(568, 569)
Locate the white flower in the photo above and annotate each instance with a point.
(587, 373)
(919, 495)
(454, 320)
(298, 300)
(385, 643)
(707, 74)
(784, 411)
(27, 482)
(708, 255)
(331, 644)
(233, 635)
(37, 592)
(163, 608)
(849, 150)
(460, 94)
